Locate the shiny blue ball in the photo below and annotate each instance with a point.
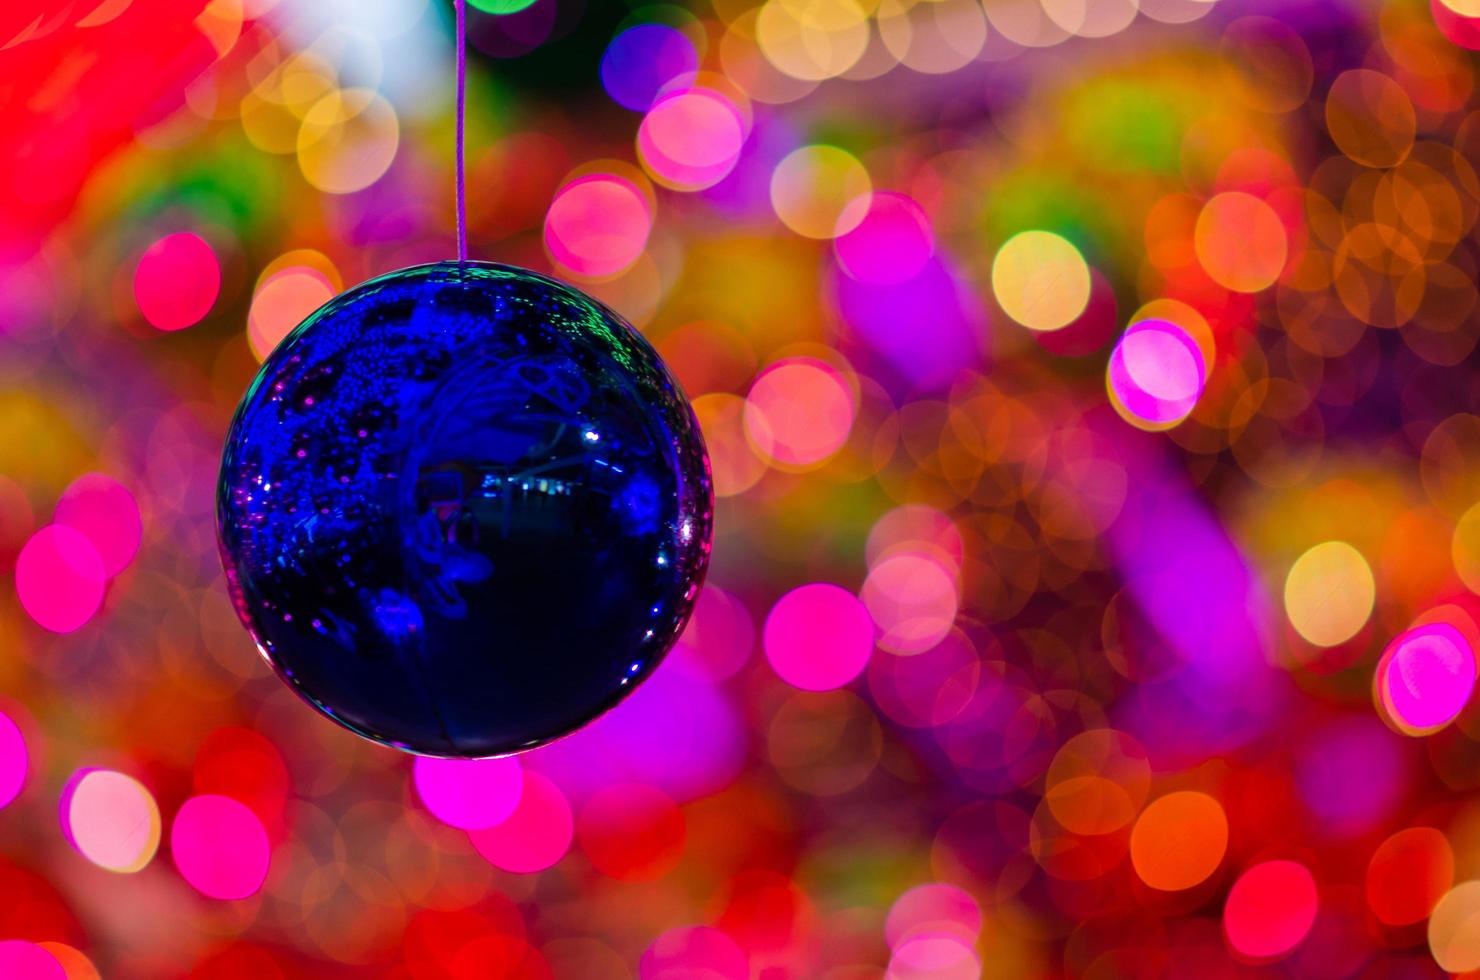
(464, 509)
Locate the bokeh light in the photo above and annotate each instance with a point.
(1270, 909)
(930, 688)
(913, 602)
(59, 578)
(1465, 548)
(690, 139)
(347, 141)
(1408, 874)
(1097, 782)
(720, 636)
(220, 847)
(14, 760)
(107, 514)
(890, 240)
(678, 733)
(598, 225)
(642, 60)
(632, 832)
(1156, 374)
(1425, 678)
(247, 766)
(818, 637)
(1454, 929)
(812, 39)
(1370, 117)
(916, 529)
(936, 38)
(1269, 64)
(535, 835)
(944, 957)
(1179, 840)
(74, 962)
(112, 819)
(1040, 280)
(799, 412)
(1241, 242)
(934, 908)
(1088, 332)
(502, 7)
(1329, 593)
(690, 951)
(944, 321)
(820, 191)
(469, 794)
(176, 281)
(29, 961)
(732, 455)
(283, 300)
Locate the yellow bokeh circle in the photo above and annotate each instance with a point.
(347, 141)
(1329, 593)
(1040, 280)
(820, 191)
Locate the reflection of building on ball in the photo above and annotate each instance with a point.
(463, 509)
(504, 445)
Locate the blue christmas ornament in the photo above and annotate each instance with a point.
(464, 509)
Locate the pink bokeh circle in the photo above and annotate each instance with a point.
(469, 794)
(106, 512)
(220, 847)
(818, 637)
(59, 578)
(536, 834)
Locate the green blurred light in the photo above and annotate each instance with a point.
(1126, 126)
(501, 6)
(1034, 199)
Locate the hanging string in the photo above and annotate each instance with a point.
(462, 87)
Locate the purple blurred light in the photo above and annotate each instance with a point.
(469, 794)
(676, 732)
(891, 244)
(924, 330)
(641, 60)
(745, 192)
(1196, 589)
(1351, 774)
